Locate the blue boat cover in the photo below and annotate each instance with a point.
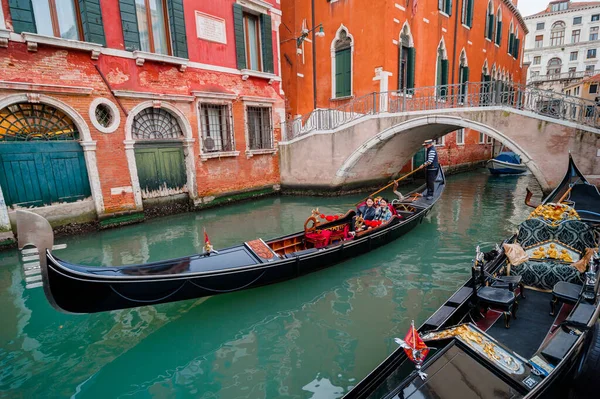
(509, 157)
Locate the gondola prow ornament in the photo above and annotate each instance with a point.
(415, 348)
(208, 248)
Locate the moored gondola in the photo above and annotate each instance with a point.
(496, 337)
(324, 241)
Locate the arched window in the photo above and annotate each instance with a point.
(155, 124)
(489, 22)
(499, 27)
(441, 80)
(485, 89)
(557, 35)
(516, 45)
(35, 122)
(554, 66)
(463, 75)
(467, 13)
(406, 66)
(511, 38)
(341, 51)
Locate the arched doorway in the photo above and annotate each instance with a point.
(41, 158)
(159, 154)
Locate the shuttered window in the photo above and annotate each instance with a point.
(406, 75)
(343, 73)
(156, 26)
(445, 6)
(67, 19)
(467, 13)
(499, 31)
(253, 40)
(464, 78)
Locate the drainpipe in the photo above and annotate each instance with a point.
(111, 90)
(455, 35)
(314, 55)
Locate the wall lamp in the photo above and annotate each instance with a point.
(305, 32)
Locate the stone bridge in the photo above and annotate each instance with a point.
(370, 142)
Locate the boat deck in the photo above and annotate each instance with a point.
(528, 331)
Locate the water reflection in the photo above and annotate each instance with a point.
(312, 337)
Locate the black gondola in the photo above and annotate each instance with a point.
(477, 351)
(84, 289)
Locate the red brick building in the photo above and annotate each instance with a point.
(107, 106)
(350, 49)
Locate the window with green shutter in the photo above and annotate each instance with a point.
(489, 25)
(467, 13)
(253, 40)
(67, 19)
(156, 26)
(343, 73)
(499, 30)
(445, 6)
(343, 65)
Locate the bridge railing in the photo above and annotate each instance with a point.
(468, 95)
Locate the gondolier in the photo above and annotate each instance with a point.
(432, 163)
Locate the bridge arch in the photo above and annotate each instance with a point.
(441, 125)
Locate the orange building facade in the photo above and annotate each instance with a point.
(398, 45)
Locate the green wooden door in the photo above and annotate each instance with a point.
(43, 173)
(161, 169)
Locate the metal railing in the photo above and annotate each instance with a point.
(471, 94)
(560, 76)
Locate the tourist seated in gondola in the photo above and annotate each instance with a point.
(367, 211)
(383, 212)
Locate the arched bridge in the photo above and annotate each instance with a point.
(372, 137)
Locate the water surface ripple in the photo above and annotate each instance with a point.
(312, 337)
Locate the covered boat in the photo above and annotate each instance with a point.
(525, 325)
(507, 163)
(86, 289)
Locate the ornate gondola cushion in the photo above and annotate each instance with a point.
(563, 244)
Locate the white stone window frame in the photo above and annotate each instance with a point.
(215, 99)
(264, 103)
(482, 138)
(116, 122)
(332, 49)
(462, 142)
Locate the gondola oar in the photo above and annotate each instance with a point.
(389, 185)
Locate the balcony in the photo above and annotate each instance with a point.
(560, 76)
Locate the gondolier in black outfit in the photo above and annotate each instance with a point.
(432, 164)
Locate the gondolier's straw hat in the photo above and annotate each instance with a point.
(427, 142)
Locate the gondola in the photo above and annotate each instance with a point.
(325, 241)
(524, 325)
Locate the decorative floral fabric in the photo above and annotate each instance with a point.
(545, 273)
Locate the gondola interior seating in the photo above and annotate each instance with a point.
(502, 296)
(553, 252)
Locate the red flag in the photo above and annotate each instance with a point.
(418, 350)
(206, 240)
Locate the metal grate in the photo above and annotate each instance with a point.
(104, 115)
(155, 124)
(216, 124)
(260, 130)
(35, 122)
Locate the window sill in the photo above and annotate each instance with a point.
(224, 154)
(466, 26)
(141, 57)
(4, 36)
(246, 73)
(342, 98)
(33, 39)
(268, 151)
(442, 13)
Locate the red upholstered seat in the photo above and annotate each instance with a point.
(320, 240)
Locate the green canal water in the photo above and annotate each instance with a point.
(313, 337)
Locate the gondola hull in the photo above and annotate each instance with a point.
(73, 288)
(396, 377)
(505, 168)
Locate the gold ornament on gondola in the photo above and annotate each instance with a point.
(554, 214)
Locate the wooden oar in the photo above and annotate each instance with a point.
(565, 195)
(392, 183)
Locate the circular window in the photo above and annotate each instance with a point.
(104, 115)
